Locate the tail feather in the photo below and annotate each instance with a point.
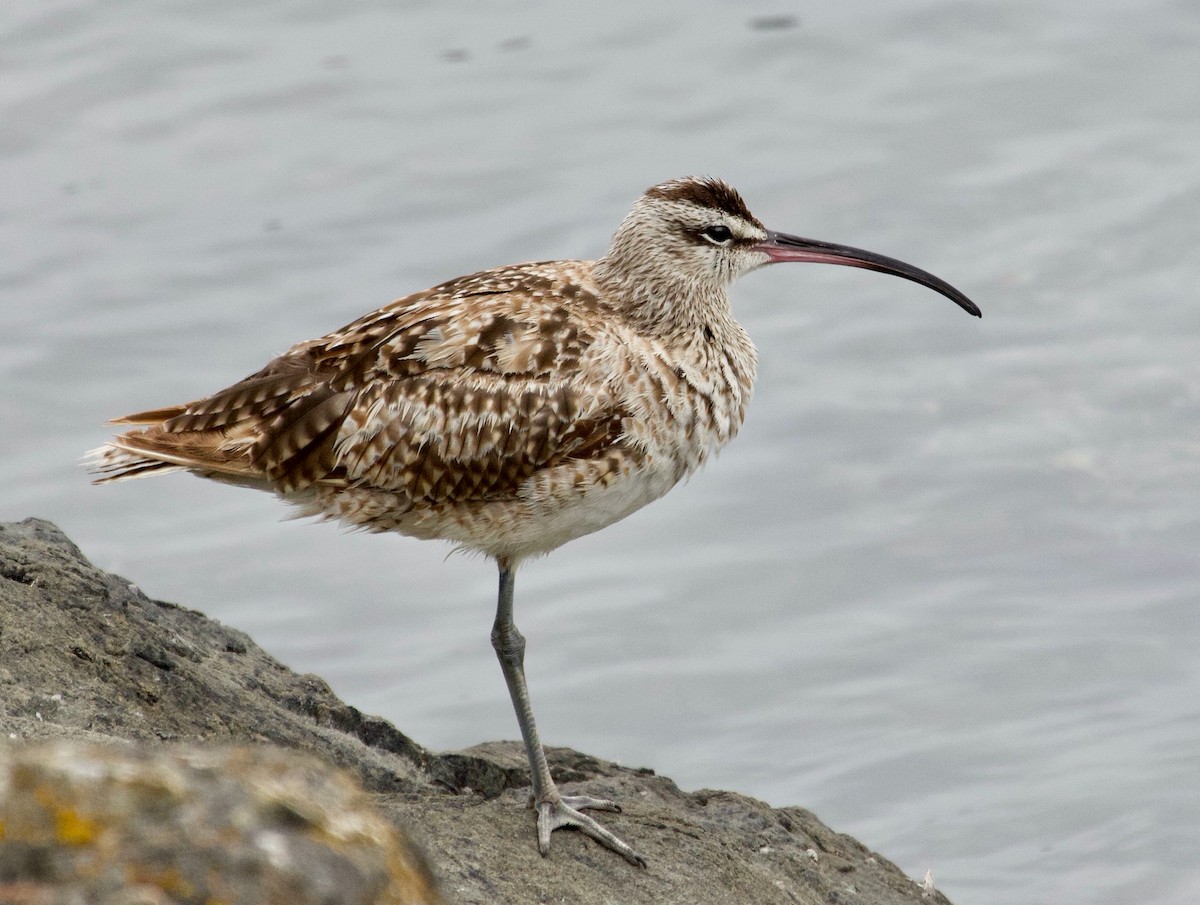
(153, 416)
(140, 454)
(110, 463)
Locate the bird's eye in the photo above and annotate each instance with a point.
(717, 234)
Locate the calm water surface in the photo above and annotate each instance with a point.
(942, 590)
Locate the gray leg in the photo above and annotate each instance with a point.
(554, 810)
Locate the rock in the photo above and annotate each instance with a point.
(85, 657)
(83, 821)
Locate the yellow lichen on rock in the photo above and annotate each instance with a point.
(241, 826)
(73, 828)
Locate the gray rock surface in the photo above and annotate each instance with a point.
(84, 655)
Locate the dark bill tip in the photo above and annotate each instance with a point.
(780, 248)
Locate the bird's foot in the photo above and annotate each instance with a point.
(563, 810)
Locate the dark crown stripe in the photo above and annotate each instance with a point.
(704, 192)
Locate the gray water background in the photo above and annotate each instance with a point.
(943, 588)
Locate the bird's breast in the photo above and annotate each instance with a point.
(688, 398)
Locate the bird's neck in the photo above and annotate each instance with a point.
(659, 299)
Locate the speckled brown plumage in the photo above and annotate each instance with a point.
(511, 410)
(464, 412)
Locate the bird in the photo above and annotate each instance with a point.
(509, 411)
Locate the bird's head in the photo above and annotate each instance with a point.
(690, 238)
(696, 231)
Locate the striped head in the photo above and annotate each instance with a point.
(684, 238)
(685, 241)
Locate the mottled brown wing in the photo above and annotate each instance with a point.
(436, 440)
(458, 393)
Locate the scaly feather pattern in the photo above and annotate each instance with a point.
(470, 411)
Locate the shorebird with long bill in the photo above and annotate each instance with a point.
(511, 410)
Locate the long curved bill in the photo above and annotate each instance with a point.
(781, 247)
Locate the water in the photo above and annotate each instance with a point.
(943, 589)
